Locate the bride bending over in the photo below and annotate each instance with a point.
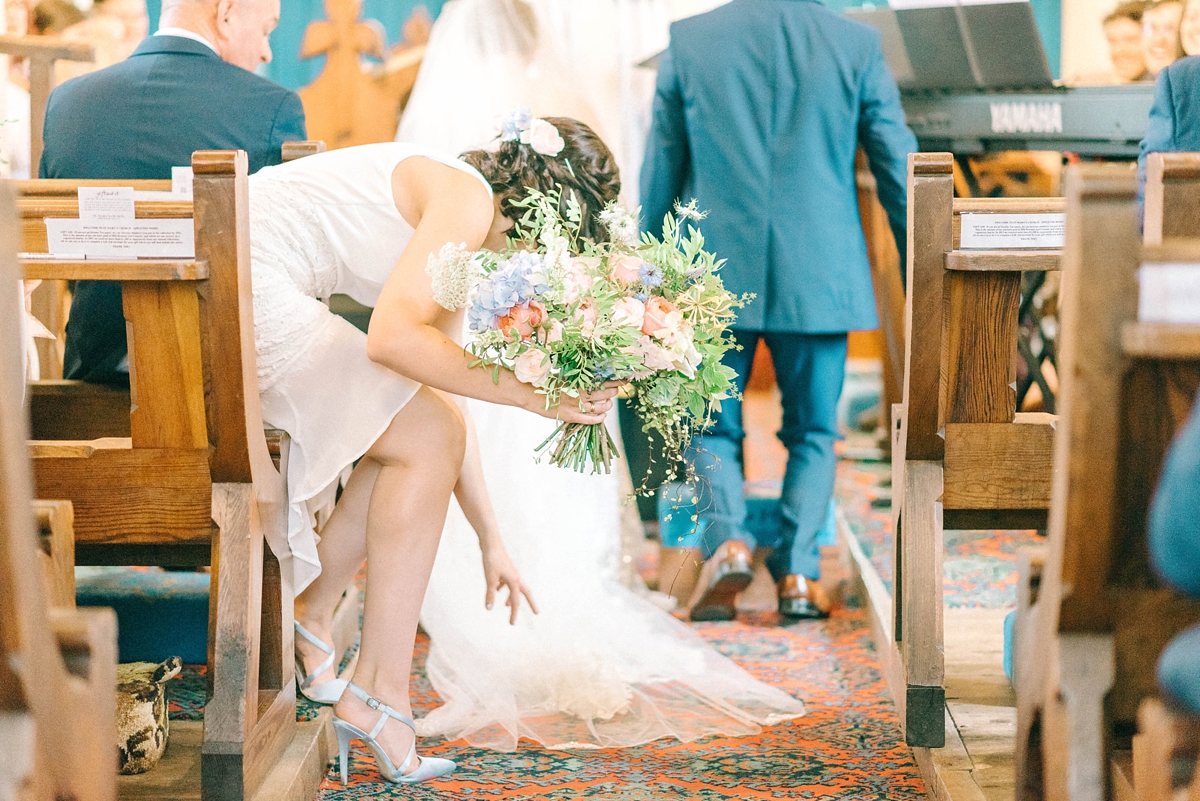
(600, 666)
(364, 221)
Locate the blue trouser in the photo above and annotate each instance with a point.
(810, 369)
(1175, 550)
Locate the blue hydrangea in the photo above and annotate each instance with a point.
(642, 296)
(508, 286)
(651, 275)
(513, 123)
(604, 372)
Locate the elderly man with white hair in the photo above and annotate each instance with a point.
(189, 87)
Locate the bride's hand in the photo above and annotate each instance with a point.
(499, 571)
(590, 408)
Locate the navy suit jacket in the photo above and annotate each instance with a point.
(1175, 116)
(760, 108)
(138, 119)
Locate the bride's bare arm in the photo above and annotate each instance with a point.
(452, 207)
(472, 494)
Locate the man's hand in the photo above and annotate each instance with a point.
(499, 571)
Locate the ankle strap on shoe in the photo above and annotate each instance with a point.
(325, 665)
(384, 710)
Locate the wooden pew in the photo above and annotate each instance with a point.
(1172, 197)
(1102, 616)
(193, 482)
(963, 458)
(57, 666)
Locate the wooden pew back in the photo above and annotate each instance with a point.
(1126, 388)
(1172, 197)
(72, 711)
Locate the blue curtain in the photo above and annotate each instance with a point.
(287, 68)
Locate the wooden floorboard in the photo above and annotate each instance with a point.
(977, 762)
(296, 777)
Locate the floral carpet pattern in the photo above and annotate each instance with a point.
(848, 747)
(980, 567)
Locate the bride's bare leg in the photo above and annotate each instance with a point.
(342, 550)
(419, 456)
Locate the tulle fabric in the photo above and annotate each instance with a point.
(601, 666)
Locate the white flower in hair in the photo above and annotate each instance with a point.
(455, 272)
(543, 137)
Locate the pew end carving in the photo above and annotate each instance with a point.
(57, 665)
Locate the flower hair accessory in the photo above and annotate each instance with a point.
(521, 126)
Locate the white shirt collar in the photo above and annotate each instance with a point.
(186, 34)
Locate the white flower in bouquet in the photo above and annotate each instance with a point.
(454, 272)
(533, 367)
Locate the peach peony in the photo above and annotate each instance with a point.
(578, 279)
(661, 319)
(524, 319)
(627, 269)
(586, 315)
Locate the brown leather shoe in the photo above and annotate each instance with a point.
(803, 598)
(723, 576)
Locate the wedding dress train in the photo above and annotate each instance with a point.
(601, 666)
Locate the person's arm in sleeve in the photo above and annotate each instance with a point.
(883, 133)
(1175, 512)
(1160, 130)
(289, 126)
(665, 167)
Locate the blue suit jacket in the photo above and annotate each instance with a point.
(1175, 116)
(761, 106)
(138, 119)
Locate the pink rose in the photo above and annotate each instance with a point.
(627, 269)
(543, 138)
(532, 367)
(662, 318)
(579, 278)
(524, 319)
(629, 311)
(586, 315)
(554, 332)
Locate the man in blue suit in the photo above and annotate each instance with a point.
(760, 108)
(189, 87)
(1174, 124)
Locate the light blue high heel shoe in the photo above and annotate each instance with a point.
(327, 692)
(427, 767)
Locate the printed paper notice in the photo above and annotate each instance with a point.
(1169, 293)
(135, 239)
(106, 203)
(1012, 231)
(181, 181)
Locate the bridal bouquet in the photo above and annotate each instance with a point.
(568, 315)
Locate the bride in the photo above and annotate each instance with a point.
(600, 666)
(365, 221)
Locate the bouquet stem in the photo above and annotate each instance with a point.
(577, 445)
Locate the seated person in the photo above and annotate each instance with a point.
(1175, 551)
(1126, 48)
(1160, 26)
(1172, 127)
(189, 87)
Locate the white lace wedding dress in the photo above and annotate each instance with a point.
(601, 666)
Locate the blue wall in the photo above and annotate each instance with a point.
(287, 68)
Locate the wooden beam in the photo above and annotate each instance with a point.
(41, 52)
(978, 348)
(1004, 260)
(56, 535)
(1161, 341)
(998, 465)
(131, 270)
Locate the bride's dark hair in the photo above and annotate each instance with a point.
(585, 165)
